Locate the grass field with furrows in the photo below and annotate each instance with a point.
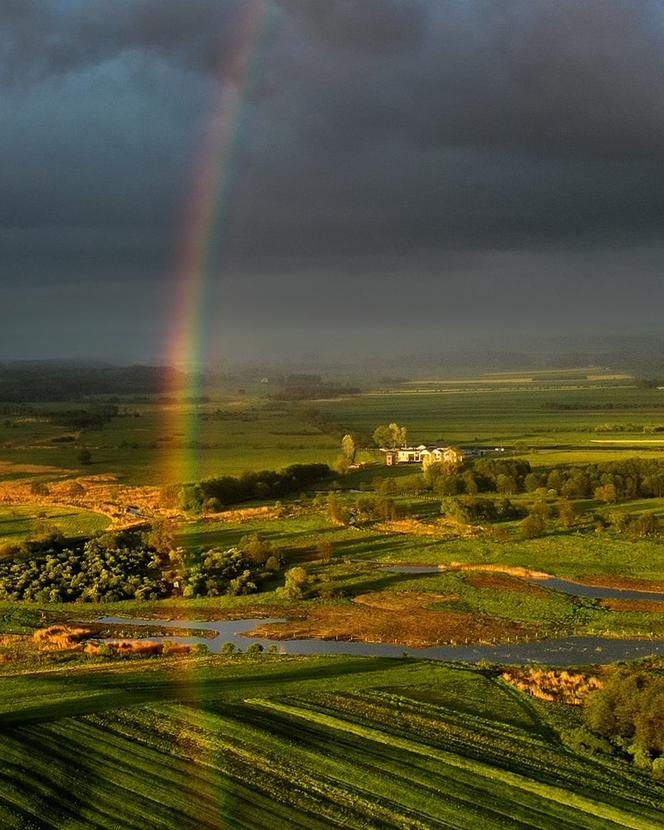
(96, 738)
(510, 414)
(294, 742)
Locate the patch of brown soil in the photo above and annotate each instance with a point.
(499, 581)
(629, 582)
(649, 606)
(550, 684)
(377, 621)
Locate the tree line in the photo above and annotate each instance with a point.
(628, 716)
(609, 481)
(215, 493)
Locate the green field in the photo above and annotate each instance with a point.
(92, 742)
(161, 443)
(18, 522)
(310, 743)
(166, 444)
(510, 414)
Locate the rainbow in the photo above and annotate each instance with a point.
(207, 217)
(207, 213)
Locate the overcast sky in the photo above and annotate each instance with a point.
(406, 173)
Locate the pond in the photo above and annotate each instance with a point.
(565, 586)
(565, 651)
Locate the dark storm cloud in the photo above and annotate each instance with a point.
(376, 136)
(41, 38)
(378, 26)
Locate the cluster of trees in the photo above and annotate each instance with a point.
(390, 436)
(637, 525)
(218, 572)
(608, 482)
(131, 565)
(474, 510)
(229, 415)
(78, 419)
(215, 493)
(67, 381)
(361, 510)
(409, 485)
(628, 712)
(470, 509)
(486, 475)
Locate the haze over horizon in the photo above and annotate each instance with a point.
(405, 176)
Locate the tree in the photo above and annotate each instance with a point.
(38, 488)
(446, 484)
(296, 582)
(566, 512)
(620, 520)
(532, 526)
(85, 457)
(390, 436)
(532, 482)
(337, 509)
(257, 549)
(75, 490)
(506, 484)
(325, 550)
(645, 526)
(554, 481)
(470, 484)
(341, 465)
(606, 493)
(161, 536)
(348, 448)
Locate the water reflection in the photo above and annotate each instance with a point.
(563, 651)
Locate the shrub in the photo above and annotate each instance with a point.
(325, 550)
(532, 526)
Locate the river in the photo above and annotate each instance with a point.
(565, 651)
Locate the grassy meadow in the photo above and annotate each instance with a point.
(292, 742)
(18, 522)
(156, 444)
(96, 740)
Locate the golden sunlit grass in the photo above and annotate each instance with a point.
(554, 685)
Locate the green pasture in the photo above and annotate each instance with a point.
(18, 522)
(165, 443)
(161, 443)
(299, 743)
(509, 414)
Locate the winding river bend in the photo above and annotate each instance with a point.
(565, 586)
(566, 651)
